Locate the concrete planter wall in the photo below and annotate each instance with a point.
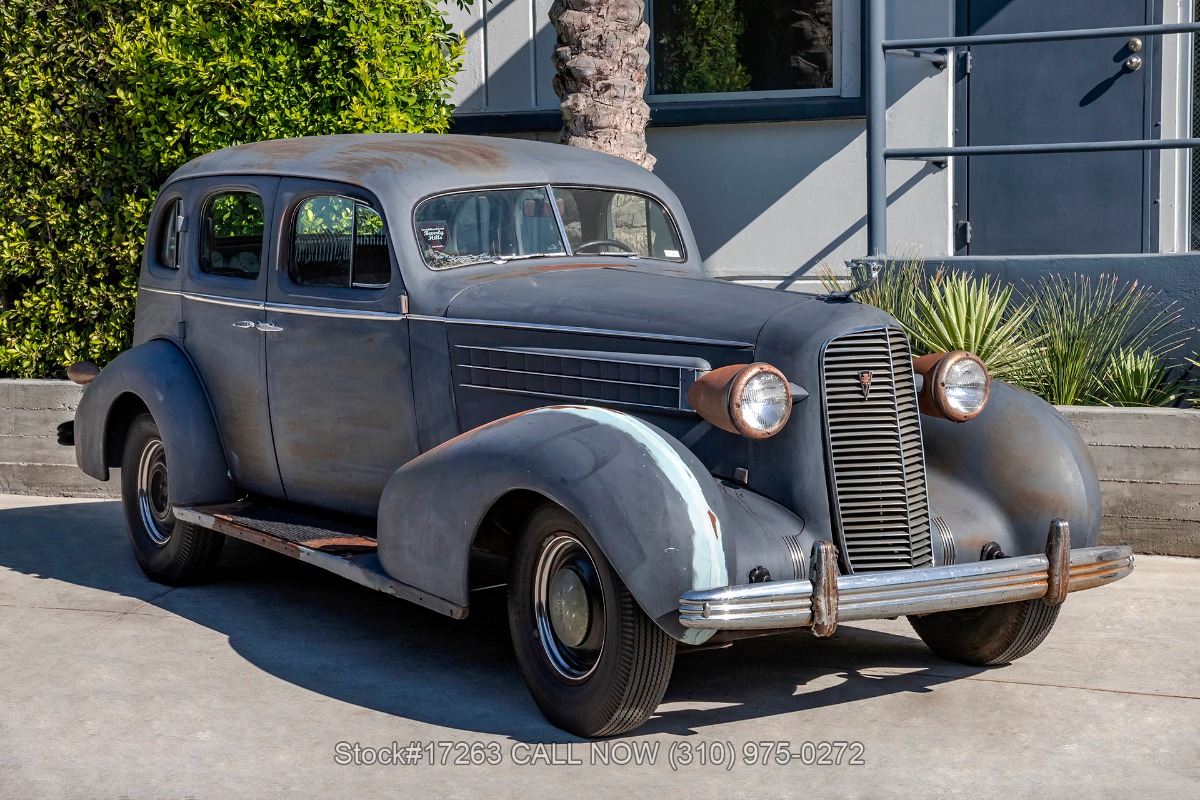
(1148, 459)
(1149, 465)
(31, 459)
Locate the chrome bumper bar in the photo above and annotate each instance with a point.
(817, 603)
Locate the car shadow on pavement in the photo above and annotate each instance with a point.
(327, 635)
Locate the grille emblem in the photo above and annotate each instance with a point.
(864, 380)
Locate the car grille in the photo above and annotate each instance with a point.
(881, 506)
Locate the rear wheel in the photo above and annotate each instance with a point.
(167, 550)
(595, 664)
(988, 635)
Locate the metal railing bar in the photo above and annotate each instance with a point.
(1041, 36)
(941, 153)
(939, 58)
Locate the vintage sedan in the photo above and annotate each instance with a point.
(405, 358)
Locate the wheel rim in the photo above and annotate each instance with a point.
(568, 605)
(153, 503)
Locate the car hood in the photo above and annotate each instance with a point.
(628, 300)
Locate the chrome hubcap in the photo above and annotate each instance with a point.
(153, 505)
(568, 606)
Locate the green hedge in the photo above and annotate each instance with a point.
(104, 99)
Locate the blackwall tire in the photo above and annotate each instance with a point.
(989, 635)
(168, 551)
(594, 663)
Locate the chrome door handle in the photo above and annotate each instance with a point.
(244, 324)
(268, 327)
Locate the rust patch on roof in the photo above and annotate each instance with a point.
(398, 154)
(712, 520)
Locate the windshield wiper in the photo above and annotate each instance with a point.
(523, 256)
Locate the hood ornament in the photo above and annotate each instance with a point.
(864, 380)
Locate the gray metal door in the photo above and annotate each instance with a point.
(337, 351)
(224, 288)
(1070, 91)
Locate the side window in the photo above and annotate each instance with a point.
(231, 242)
(168, 236)
(338, 241)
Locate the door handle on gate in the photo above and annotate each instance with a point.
(268, 327)
(244, 324)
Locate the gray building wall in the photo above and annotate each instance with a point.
(768, 201)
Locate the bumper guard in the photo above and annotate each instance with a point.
(829, 598)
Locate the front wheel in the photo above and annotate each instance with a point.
(167, 550)
(989, 635)
(595, 664)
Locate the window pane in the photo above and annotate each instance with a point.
(474, 227)
(701, 46)
(600, 221)
(323, 234)
(232, 242)
(168, 237)
(372, 267)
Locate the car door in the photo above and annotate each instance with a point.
(224, 294)
(337, 349)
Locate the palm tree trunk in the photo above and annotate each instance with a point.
(601, 61)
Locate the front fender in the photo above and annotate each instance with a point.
(660, 519)
(160, 376)
(1006, 474)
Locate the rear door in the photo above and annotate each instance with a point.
(337, 350)
(224, 291)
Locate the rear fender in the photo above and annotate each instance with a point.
(158, 376)
(660, 519)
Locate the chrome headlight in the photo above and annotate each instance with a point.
(956, 385)
(754, 400)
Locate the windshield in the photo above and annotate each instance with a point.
(498, 225)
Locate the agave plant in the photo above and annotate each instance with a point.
(1139, 379)
(960, 311)
(1084, 325)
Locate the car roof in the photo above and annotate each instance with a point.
(416, 165)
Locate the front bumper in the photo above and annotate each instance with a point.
(830, 598)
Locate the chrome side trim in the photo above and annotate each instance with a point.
(349, 313)
(217, 301)
(533, 326)
(324, 311)
(788, 604)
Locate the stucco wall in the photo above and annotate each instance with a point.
(768, 201)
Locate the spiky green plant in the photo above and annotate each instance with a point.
(1084, 324)
(1139, 379)
(959, 311)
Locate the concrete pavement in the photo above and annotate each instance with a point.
(257, 684)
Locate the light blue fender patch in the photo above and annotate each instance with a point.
(708, 556)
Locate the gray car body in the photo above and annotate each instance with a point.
(360, 402)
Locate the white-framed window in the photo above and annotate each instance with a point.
(752, 49)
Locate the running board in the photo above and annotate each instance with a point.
(341, 549)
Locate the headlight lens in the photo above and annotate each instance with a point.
(764, 405)
(956, 385)
(965, 384)
(753, 400)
